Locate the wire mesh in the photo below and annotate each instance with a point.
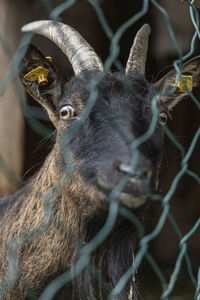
(167, 284)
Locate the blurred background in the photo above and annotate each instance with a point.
(23, 148)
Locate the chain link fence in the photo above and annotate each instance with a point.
(168, 285)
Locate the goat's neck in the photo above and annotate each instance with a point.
(44, 225)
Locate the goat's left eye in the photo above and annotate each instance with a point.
(163, 118)
(67, 112)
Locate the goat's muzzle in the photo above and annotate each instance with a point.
(137, 189)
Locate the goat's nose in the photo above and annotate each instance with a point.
(140, 173)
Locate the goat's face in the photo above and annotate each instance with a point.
(103, 148)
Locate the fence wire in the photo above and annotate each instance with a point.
(168, 285)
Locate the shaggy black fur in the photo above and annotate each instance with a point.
(112, 258)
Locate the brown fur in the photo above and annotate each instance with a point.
(45, 225)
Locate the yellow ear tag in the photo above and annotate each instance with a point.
(39, 74)
(49, 58)
(180, 85)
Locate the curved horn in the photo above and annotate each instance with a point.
(137, 56)
(80, 54)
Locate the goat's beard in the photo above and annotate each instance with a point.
(108, 262)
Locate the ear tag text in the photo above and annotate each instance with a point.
(180, 87)
(39, 74)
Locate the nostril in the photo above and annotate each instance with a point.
(124, 168)
(141, 174)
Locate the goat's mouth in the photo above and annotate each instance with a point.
(134, 195)
(131, 201)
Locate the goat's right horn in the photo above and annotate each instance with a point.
(80, 54)
(137, 57)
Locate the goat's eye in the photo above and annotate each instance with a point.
(163, 118)
(67, 112)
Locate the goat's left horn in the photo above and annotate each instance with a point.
(137, 57)
(80, 54)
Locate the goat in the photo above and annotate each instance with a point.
(45, 225)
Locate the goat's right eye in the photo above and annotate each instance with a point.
(163, 118)
(67, 112)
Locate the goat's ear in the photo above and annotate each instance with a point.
(191, 72)
(45, 89)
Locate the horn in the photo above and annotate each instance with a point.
(137, 57)
(80, 54)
